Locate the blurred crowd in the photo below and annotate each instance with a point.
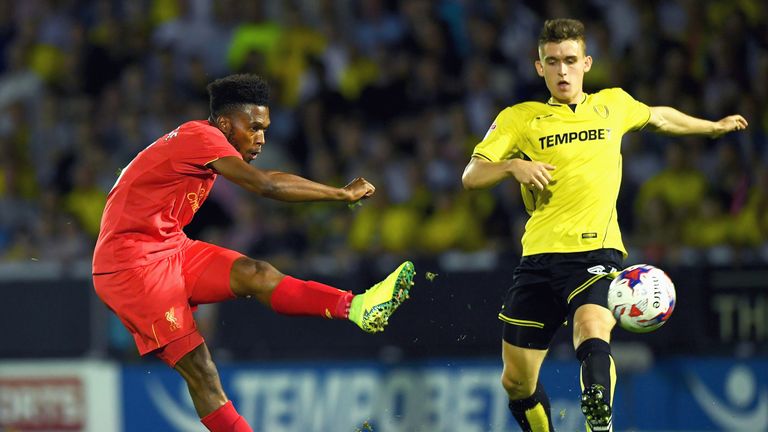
(396, 91)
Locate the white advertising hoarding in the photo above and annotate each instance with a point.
(82, 396)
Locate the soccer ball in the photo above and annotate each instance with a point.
(641, 298)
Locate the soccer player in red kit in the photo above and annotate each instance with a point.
(152, 275)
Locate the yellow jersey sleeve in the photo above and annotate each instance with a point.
(502, 141)
(636, 113)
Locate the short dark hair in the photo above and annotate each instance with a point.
(562, 29)
(233, 91)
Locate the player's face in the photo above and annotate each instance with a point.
(245, 129)
(563, 65)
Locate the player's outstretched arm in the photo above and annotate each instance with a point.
(288, 187)
(668, 120)
(480, 173)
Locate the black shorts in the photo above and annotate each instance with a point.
(548, 288)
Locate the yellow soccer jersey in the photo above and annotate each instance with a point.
(576, 212)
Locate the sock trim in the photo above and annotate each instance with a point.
(218, 412)
(590, 346)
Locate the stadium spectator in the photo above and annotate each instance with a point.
(117, 89)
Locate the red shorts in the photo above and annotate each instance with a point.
(155, 302)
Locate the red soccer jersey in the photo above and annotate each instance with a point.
(156, 195)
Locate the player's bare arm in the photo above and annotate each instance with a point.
(668, 120)
(480, 174)
(285, 186)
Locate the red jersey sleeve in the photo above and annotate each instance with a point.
(198, 144)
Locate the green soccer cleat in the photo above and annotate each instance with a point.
(372, 309)
(596, 408)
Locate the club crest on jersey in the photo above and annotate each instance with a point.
(173, 321)
(601, 110)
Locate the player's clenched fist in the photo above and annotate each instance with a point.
(359, 188)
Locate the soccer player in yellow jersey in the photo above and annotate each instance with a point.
(565, 154)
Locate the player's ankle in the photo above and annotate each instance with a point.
(355, 307)
(343, 306)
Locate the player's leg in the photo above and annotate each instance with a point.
(531, 313)
(291, 296)
(528, 401)
(285, 294)
(216, 274)
(592, 326)
(216, 412)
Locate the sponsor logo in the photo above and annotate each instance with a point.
(745, 407)
(172, 134)
(343, 399)
(42, 404)
(490, 129)
(600, 270)
(597, 270)
(569, 137)
(176, 410)
(196, 199)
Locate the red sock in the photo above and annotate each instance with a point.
(297, 297)
(226, 419)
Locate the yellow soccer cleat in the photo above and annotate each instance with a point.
(372, 309)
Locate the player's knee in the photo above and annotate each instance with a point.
(592, 321)
(255, 278)
(591, 328)
(516, 387)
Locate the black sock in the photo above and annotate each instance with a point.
(533, 413)
(597, 365)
